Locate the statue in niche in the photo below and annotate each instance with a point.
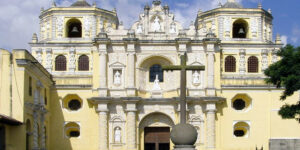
(139, 29)
(117, 135)
(173, 28)
(196, 78)
(117, 78)
(156, 86)
(156, 24)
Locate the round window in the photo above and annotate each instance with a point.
(74, 104)
(74, 134)
(239, 133)
(239, 104)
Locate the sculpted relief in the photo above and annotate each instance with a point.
(156, 25)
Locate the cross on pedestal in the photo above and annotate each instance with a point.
(183, 68)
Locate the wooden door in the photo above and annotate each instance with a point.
(2, 138)
(157, 138)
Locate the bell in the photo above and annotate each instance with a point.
(75, 30)
(241, 31)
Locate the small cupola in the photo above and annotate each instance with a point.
(81, 3)
(232, 4)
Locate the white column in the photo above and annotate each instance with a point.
(211, 70)
(131, 130)
(35, 131)
(131, 70)
(131, 125)
(43, 136)
(211, 127)
(36, 119)
(103, 72)
(103, 128)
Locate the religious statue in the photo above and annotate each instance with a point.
(118, 135)
(117, 78)
(196, 78)
(173, 28)
(156, 86)
(139, 29)
(156, 24)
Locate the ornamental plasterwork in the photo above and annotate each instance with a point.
(242, 62)
(59, 26)
(48, 64)
(87, 25)
(227, 26)
(254, 26)
(264, 61)
(39, 56)
(72, 60)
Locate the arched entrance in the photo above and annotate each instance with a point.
(155, 132)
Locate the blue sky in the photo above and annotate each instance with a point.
(19, 18)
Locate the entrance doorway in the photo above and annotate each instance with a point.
(157, 138)
(2, 138)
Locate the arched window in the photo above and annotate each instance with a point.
(28, 133)
(230, 64)
(240, 29)
(60, 63)
(83, 63)
(74, 28)
(252, 64)
(156, 70)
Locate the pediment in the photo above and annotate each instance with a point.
(196, 63)
(117, 64)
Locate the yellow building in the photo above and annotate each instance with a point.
(24, 104)
(105, 89)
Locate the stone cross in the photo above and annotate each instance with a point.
(183, 68)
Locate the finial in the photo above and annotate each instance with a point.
(231, 1)
(278, 39)
(53, 4)
(42, 9)
(114, 10)
(220, 5)
(270, 11)
(94, 4)
(259, 5)
(199, 11)
(34, 38)
(156, 2)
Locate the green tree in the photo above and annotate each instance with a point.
(286, 73)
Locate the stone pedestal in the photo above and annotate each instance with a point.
(184, 147)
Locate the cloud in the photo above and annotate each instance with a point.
(19, 18)
(18, 21)
(284, 39)
(295, 34)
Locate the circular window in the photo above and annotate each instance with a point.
(241, 129)
(239, 104)
(74, 104)
(74, 134)
(239, 133)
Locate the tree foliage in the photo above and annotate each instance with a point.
(286, 73)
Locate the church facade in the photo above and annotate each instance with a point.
(99, 86)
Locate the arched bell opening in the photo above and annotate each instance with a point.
(74, 28)
(240, 29)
